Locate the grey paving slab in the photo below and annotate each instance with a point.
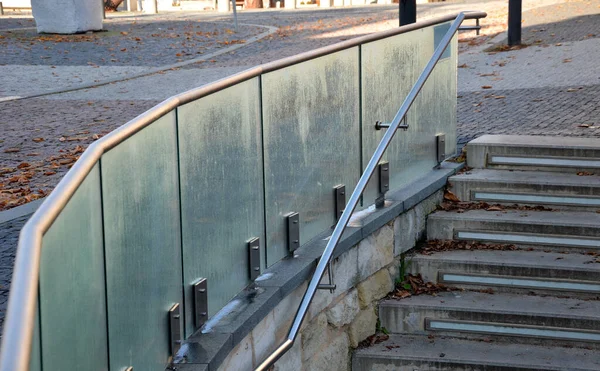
(505, 303)
(422, 352)
(521, 258)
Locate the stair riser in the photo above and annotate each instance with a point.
(541, 236)
(540, 158)
(364, 363)
(513, 279)
(552, 196)
(538, 329)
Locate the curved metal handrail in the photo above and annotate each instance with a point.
(355, 197)
(21, 312)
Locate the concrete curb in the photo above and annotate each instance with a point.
(20, 211)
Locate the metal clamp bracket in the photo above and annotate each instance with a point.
(328, 286)
(200, 302)
(440, 140)
(340, 200)
(254, 258)
(384, 177)
(293, 231)
(175, 328)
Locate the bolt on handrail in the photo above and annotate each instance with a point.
(356, 194)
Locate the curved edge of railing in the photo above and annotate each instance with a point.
(356, 194)
(19, 322)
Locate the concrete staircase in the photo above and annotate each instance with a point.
(533, 308)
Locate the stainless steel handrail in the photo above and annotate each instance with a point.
(355, 197)
(21, 313)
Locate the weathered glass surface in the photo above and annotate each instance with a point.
(140, 191)
(72, 286)
(220, 148)
(312, 143)
(390, 67)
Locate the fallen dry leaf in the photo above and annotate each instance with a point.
(486, 87)
(37, 140)
(448, 195)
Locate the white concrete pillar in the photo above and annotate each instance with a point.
(150, 7)
(223, 5)
(326, 3)
(290, 4)
(67, 16)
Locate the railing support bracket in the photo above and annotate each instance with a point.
(175, 328)
(293, 231)
(340, 200)
(254, 258)
(328, 286)
(201, 302)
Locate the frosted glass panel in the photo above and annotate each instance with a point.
(72, 289)
(143, 245)
(312, 138)
(390, 67)
(220, 148)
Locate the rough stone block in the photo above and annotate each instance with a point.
(374, 288)
(264, 340)
(363, 326)
(376, 251)
(345, 310)
(334, 355)
(314, 336)
(423, 209)
(285, 311)
(291, 360)
(240, 357)
(405, 232)
(345, 276)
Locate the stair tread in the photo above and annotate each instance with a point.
(421, 348)
(559, 218)
(527, 177)
(537, 141)
(504, 303)
(520, 258)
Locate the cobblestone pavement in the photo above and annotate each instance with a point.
(551, 87)
(523, 98)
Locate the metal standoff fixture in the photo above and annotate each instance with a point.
(340, 200)
(175, 328)
(200, 302)
(440, 140)
(293, 231)
(254, 258)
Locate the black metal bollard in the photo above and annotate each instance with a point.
(514, 22)
(408, 11)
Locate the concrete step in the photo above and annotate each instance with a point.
(419, 353)
(536, 229)
(534, 153)
(503, 317)
(574, 275)
(555, 190)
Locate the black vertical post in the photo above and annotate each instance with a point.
(408, 11)
(514, 22)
